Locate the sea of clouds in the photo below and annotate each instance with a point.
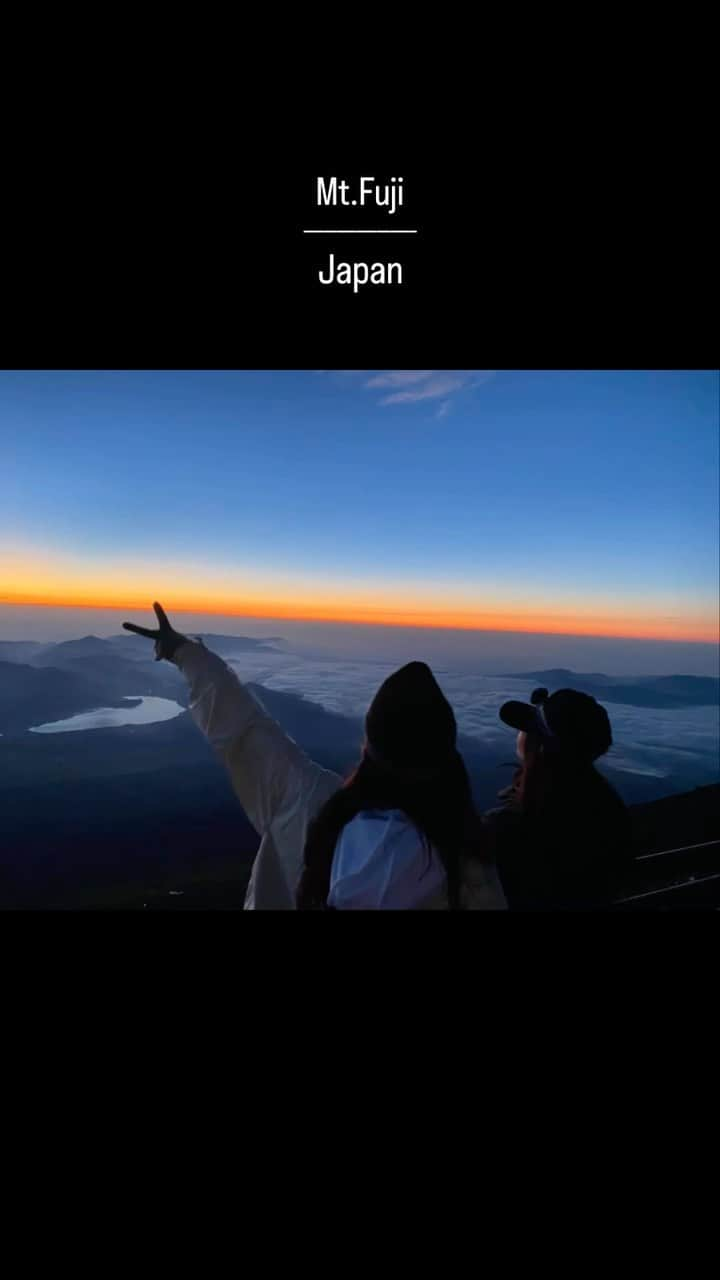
(658, 743)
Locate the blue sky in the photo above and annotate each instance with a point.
(436, 493)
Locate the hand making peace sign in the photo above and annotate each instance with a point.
(167, 640)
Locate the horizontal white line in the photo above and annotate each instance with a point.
(668, 888)
(683, 848)
(335, 231)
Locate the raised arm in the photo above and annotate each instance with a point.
(278, 786)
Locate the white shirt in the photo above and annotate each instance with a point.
(383, 863)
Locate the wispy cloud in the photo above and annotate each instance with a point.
(433, 388)
(411, 386)
(399, 378)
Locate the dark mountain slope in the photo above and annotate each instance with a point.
(668, 692)
(32, 695)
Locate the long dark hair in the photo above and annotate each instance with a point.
(553, 786)
(440, 806)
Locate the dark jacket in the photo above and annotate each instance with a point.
(571, 854)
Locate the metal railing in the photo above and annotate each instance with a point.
(683, 886)
(683, 848)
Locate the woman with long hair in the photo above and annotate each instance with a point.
(561, 840)
(402, 830)
(400, 833)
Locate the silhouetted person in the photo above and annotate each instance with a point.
(537, 697)
(561, 840)
(400, 833)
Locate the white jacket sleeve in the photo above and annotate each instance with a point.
(278, 786)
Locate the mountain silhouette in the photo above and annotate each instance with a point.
(41, 683)
(19, 650)
(33, 695)
(668, 692)
(54, 655)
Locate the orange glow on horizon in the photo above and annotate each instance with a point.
(582, 622)
(37, 577)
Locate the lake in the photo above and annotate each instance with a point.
(148, 711)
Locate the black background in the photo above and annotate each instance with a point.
(185, 256)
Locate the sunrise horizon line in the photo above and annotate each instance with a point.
(380, 620)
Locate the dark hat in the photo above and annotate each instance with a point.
(568, 719)
(410, 723)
